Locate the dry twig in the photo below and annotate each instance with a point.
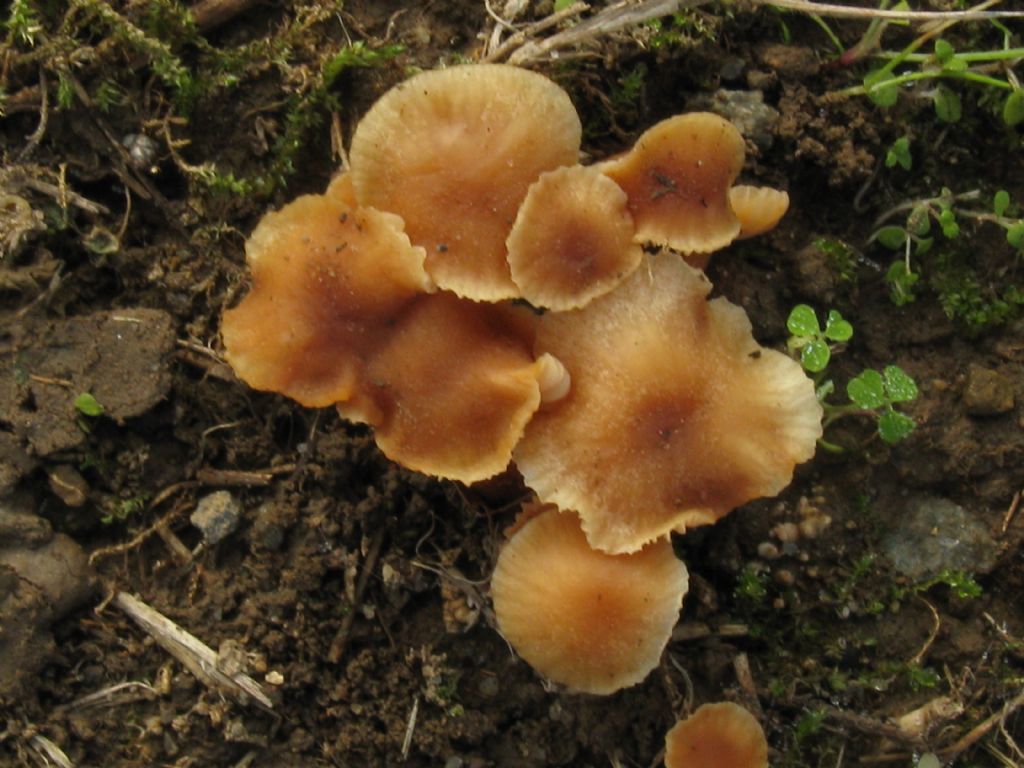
(996, 719)
(340, 641)
(193, 653)
(524, 47)
(866, 14)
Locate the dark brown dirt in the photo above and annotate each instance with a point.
(355, 590)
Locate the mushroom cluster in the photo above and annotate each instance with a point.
(632, 404)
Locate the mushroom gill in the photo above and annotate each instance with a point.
(675, 416)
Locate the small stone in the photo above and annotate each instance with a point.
(217, 516)
(785, 578)
(792, 61)
(787, 533)
(932, 535)
(267, 532)
(142, 150)
(758, 80)
(732, 69)
(231, 658)
(68, 485)
(987, 392)
(489, 687)
(747, 111)
(274, 677)
(767, 551)
(813, 526)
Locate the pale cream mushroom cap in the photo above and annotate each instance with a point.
(452, 386)
(759, 209)
(677, 177)
(585, 619)
(328, 279)
(675, 415)
(453, 152)
(572, 239)
(722, 735)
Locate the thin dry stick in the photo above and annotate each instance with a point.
(1008, 517)
(340, 641)
(197, 657)
(410, 728)
(523, 48)
(248, 478)
(111, 696)
(848, 12)
(612, 19)
(698, 630)
(982, 728)
(56, 192)
(51, 753)
(936, 626)
(210, 14)
(524, 35)
(140, 537)
(33, 139)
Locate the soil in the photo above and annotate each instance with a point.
(354, 592)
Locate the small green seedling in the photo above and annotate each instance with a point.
(915, 236)
(871, 393)
(87, 405)
(879, 392)
(911, 69)
(813, 341)
(119, 510)
(899, 154)
(961, 583)
(88, 408)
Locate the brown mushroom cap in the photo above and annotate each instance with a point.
(451, 388)
(327, 280)
(675, 415)
(588, 620)
(453, 152)
(721, 735)
(759, 209)
(342, 190)
(572, 239)
(677, 178)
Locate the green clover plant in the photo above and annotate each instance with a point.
(813, 341)
(915, 234)
(871, 393)
(992, 70)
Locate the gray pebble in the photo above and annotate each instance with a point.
(217, 516)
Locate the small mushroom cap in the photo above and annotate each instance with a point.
(453, 152)
(451, 388)
(327, 279)
(588, 620)
(721, 735)
(342, 190)
(759, 209)
(675, 415)
(572, 239)
(677, 178)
